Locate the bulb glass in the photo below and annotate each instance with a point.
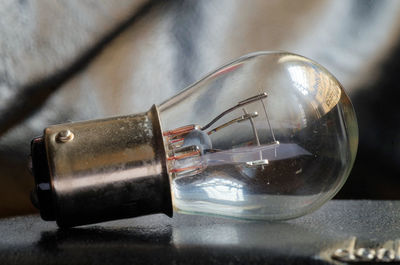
(271, 135)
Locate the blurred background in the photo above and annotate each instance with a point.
(73, 60)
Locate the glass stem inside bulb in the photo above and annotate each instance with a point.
(188, 144)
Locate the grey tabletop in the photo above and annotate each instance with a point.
(184, 239)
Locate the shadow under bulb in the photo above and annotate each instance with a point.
(270, 136)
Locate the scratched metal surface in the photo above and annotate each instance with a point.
(184, 239)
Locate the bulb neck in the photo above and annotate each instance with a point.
(101, 170)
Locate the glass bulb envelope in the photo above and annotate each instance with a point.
(271, 135)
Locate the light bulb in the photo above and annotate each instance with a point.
(270, 136)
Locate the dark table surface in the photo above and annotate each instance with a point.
(183, 239)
